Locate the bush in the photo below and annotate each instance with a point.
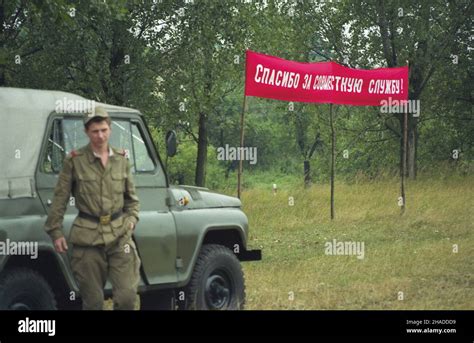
(181, 168)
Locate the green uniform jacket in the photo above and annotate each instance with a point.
(97, 191)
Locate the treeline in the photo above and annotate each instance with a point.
(182, 64)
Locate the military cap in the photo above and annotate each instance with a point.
(98, 111)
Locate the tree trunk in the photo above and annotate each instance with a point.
(307, 174)
(411, 153)
(400, 119)
(201, 160)
(412, 147)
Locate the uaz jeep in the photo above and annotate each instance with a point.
(190, 240)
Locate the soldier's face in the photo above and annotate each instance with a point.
(99, 133)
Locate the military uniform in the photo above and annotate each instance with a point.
(101, 233)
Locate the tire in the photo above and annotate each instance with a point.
(217, 282)
(25, 289)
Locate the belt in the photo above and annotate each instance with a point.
(104, 220)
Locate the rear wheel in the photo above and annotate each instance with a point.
(217, 282)
(25, 289)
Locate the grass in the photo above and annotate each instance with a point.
(410, 253)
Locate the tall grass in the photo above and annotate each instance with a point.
(411, 253)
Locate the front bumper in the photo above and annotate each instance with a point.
(250, 255)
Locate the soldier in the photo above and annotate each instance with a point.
(101, 235)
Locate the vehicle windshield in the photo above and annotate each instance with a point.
(68, 135)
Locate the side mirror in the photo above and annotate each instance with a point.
(171, 143)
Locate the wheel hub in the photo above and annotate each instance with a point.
(217, 291)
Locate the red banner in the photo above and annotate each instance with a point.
(324, 82)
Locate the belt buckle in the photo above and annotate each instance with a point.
(105, 220)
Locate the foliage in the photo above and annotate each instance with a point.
(182, 64)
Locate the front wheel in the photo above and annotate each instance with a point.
(25, 289)
(217, 282)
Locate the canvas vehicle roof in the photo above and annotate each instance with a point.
(23, 119)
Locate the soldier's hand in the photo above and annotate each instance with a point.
(60, 245)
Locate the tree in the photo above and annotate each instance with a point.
(91, 48)
(202, 47)
(390, 33)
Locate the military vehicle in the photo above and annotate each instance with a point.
(190, 240)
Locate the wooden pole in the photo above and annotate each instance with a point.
(404, 157)
(333, 158)
(239, 174)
